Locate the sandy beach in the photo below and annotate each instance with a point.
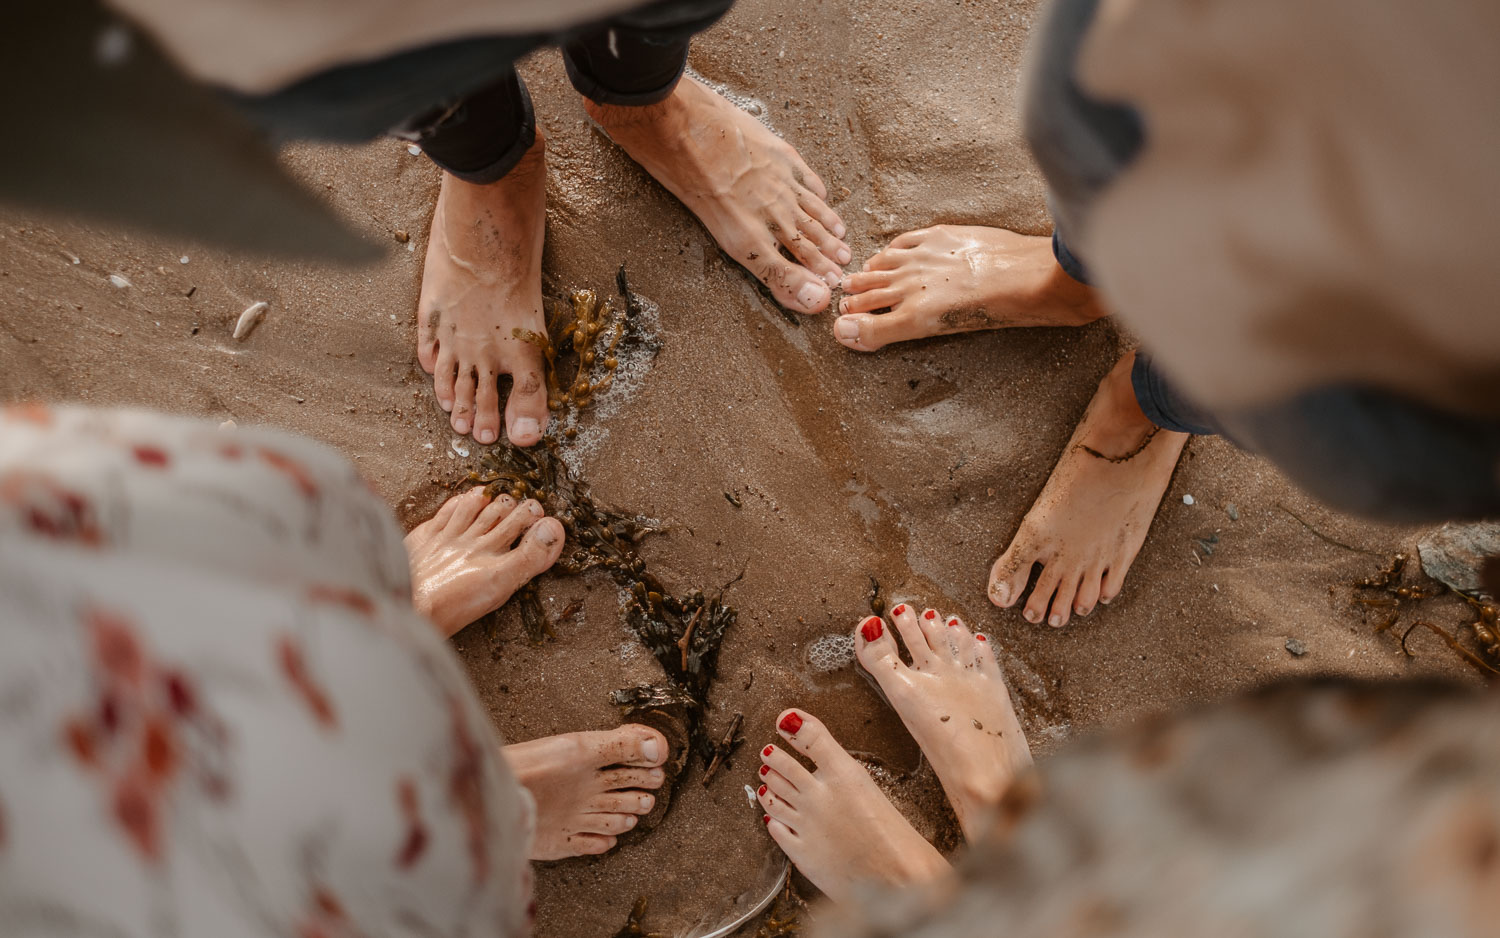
(766, 448)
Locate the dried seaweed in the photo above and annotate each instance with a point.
(785, 917)
(633, 927)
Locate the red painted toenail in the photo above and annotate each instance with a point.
(765, 818)
(980, 638)
(898, 610)
(765, 770)
(768, 750)
(871, 629)
(790, 724)
(930, 614)
(762, 790)
(953, 621)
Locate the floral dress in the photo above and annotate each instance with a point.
(219, 714)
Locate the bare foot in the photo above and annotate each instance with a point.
(948, 279)
(835, 824)
(589, 787)
(481, 283)
(1092, 516)
(954, 702)
(749, 188)
(465, 561)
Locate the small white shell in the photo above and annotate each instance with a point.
(750, 793)
(119, 281)
(250, 318)
(1187, 499)
(456, 445)
(227, 425)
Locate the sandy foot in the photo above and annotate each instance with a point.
(589, 787)
(482, 281)
(1092, 516)
(834, 823)
(949, 279)
(749, 188)
(465, 561)
(954, 702)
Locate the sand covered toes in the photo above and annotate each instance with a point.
(589, 787)
(471, 557)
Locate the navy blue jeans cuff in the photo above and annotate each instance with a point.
(1163, 405)
(1069, 261)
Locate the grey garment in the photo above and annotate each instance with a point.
(1361, 449)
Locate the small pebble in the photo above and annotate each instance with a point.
(1232, 512)
(1187, 499)
(1296, 647)
(183, 259)
(413, 149)
(119, 281)
(402, 236)
(227, 425)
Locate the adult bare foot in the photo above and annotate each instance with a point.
(481, 286)
(835, 824)
(589, 787)
(948, 279)
(954, 702)
(1092, 516)
(465, 561)
(749, 188)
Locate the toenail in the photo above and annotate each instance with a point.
(446, 405)
(810, 295)
(899, 610)
(844, 256)
(630, 820)
(765, 819)
(768, 750)
(845, 328)
(651, 749)
(1001, 592)
(525, 427)
(461, 425)
(1104, 600)
(765, 770)
(831, 278)
(980, 638)
(871, 629)
(485, 436)
(1080, 611)
(761, 791)
(1032, 616)
(1055, 620)
(790, 724)
(930, 614)
(953, 621)
(648, 802)
(839, 229)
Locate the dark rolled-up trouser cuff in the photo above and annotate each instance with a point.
(1163, 405)
(481, 137)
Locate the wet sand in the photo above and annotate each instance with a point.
(912, 465)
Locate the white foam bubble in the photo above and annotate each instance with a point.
(831, 652)
(755, 107)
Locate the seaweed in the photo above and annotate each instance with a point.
(784, 919)
(633, 927)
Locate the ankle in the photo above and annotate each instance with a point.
(1078, 298)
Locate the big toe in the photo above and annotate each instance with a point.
(807, 734)
(1009, 574)
(869, 332)
(631, 744)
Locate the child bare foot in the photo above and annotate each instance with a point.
(589, 787)
(1092, 516)
(948, 279)
(954, 703)
(482, 282)
(834, 823)
(465, 561)
(749, 188)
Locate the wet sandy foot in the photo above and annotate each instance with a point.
(589, 787)
(482, 281)
(954, 702)
(749, 188)
(466, 561)
(1092, 516)
(949, 279)
(834, 823)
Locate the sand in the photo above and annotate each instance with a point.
(912, 465)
